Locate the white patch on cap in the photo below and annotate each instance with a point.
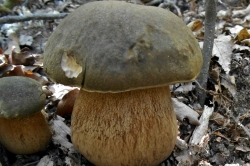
(70, 67)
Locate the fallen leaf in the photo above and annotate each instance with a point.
(223, 50)
(45, 161)
(22, 58)
(5, 68)
(240, 48)
(61, 131)
(218, 118)
(242, 148)
(12, 44)
(59, 91)
(224, 14)
(229, 82)
(215, 74)
(204, 163)
(3, 60)
(243, 34)
(234, 31)
(195, 25)
(221, 135)
(241, 13)
(182, 111)
(36, 76)
(26, 40)
(246, 42)
(185, 87)
(184, 157)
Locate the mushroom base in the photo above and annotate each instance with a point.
(131, 128)
(25, 135)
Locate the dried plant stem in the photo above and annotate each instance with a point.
(210, 17)
(241, 125)
(12, 19)
(212, 92)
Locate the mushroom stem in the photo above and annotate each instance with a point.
(132, 128)
(21, 136)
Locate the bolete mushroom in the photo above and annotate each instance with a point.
(123, 56)
(23, 128)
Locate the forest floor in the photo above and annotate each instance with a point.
(222, 138)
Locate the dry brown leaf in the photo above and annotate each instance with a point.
(218, 118)
(195, 25)
(4, 66)
(182, 111)
(221, 135)
(243, 34)
(65, 106)
(43, 80)
(229, 82)
(19, 70)
(22, 58)
(215, 74)
(14, 71)
(235, 30)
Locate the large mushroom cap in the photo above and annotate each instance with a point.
(20, 96)
(113, 46)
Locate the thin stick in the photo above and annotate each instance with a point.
(239, 123)
(210, 18)
(13, 19)
(212, 92)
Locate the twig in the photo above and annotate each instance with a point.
(241, 125)
(212, 92)
(12, 19)
(181, 144)
(210, 17)
(201, 130)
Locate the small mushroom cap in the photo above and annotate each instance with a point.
(20, 96)
(113, 46)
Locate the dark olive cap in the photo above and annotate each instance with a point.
(113, 46)
(20, 96)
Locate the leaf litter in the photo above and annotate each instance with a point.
(215, 135)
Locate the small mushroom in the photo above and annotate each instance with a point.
(124, 57)
(23, 128)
